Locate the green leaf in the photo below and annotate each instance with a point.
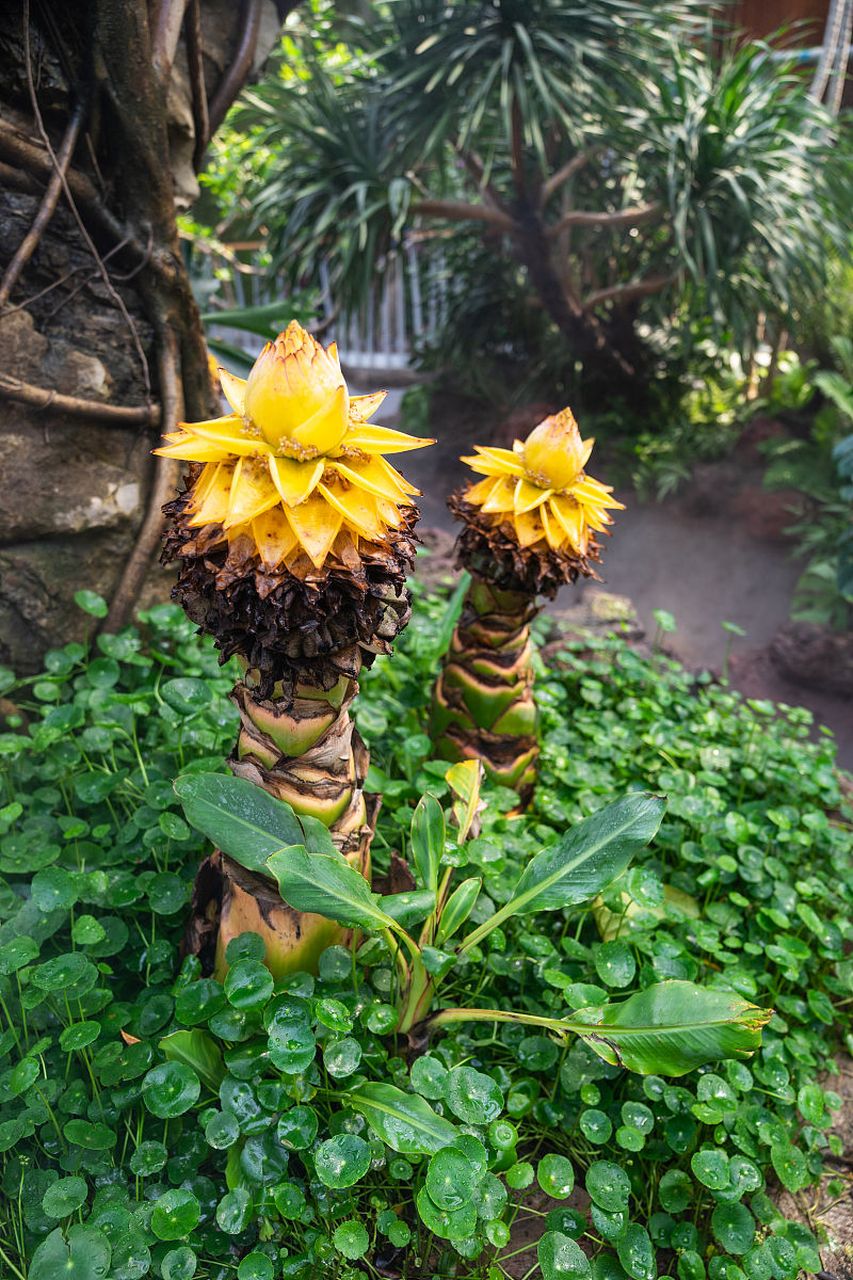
(608, 1185)
(451, 1179)
(171, 1089)
(342, 1161)
(671, 1028)
(458, 908)
(327, 885)
(473, 1096)
(410, 907)
(243, 820)
(427, 837)
(175, 1214)
(64, 1197)
(561, 1258)
(582, 862)
(84, 1254)
(90, 602)
(403, 1121)
(350, 1239)
(198, 1050)
(734, 1227)
(555, 1175)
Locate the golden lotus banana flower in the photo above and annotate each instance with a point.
(540, 488)
(297, 464)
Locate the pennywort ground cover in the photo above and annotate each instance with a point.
(154, 1121)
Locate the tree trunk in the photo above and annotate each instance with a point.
(103, 107)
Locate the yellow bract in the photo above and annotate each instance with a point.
(540, 489)
(296, 462)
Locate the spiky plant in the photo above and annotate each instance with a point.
(294, 539)
(527, 528)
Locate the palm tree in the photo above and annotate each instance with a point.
(604, 149)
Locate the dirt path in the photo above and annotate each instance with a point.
(703, 569)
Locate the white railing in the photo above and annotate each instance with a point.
(406, 308)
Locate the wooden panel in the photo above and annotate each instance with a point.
(760, 18)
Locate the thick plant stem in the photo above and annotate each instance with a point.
(483, 705)
(303, 748)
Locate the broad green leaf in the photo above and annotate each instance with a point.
(458, 908)
(671, 1028)
(243, 820)
(410, 907)
(328, 886)
(403, 1121)
(427, 836)
(580, 864)
(199, 1051)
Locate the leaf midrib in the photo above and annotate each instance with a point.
(387, 1110)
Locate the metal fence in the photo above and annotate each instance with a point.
(405, 310)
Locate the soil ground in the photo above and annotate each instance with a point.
(704, 569)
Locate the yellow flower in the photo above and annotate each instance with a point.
(297, 463)
(540, 488)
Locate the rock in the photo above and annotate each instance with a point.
(596, 613)
(436, 565)
(75, 477)
(756, 433)
(711, 488)
(767, 513)
(814, 656)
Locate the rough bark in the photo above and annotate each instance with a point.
(98, 137)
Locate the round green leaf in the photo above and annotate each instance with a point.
(170, 1089)
(342, 1057)
(255, 1266)
(556, 1176)
(351, 1239)
(53, 889)
(92, 1137)
(221, 1130)
(675, 1191)
(733, 1227)
(447, 1224)
(175, 1214)
(429, 1077)
(178, 1264)
(84, 1254)
(711, 1167)
(90, 602)
(64, 1197)
(636, 1253)
(333, 1014)
(342, 1161)
(297, 1128)
(615, 963)
(561, 1258)
(148, 1158)
(595, 1125)
(450, 1179)
(608, 1185)
(248, 985)
(234, 1211)
(291, 1042)
(473, 1096)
